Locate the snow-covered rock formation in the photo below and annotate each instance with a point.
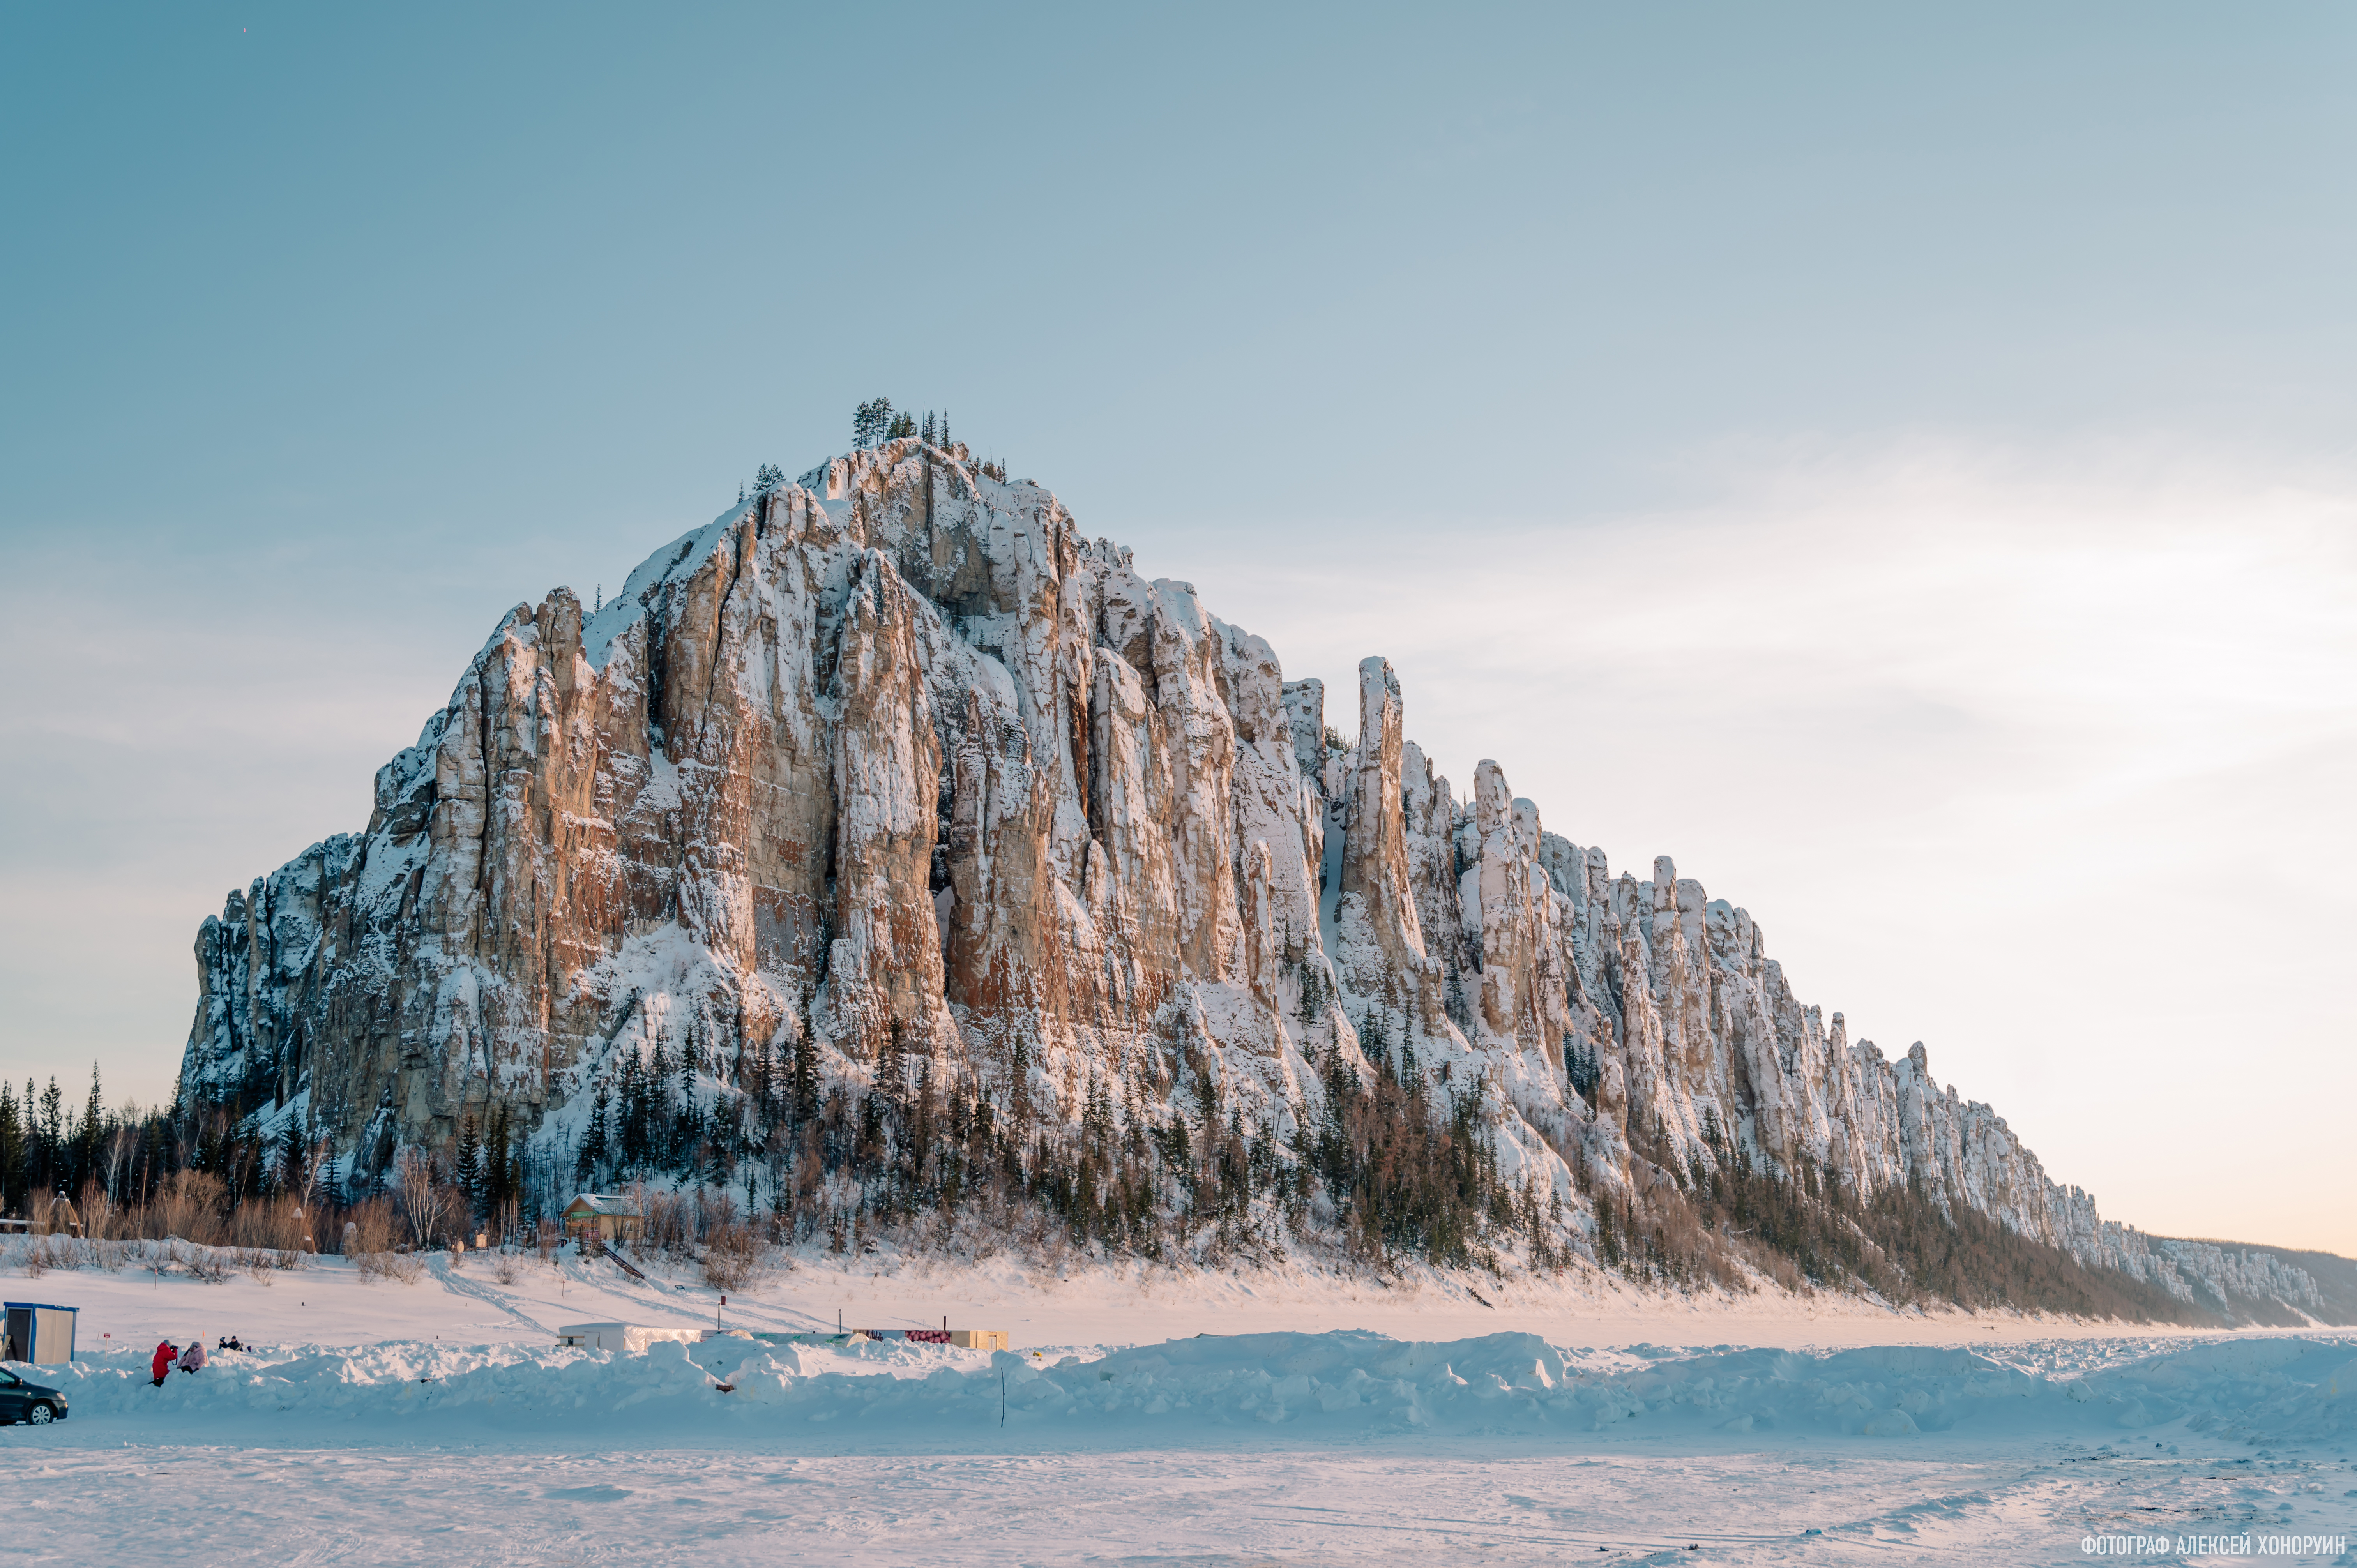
(896, 759)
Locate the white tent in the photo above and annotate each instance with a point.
(623, 1338)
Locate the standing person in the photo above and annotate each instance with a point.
(192, 1360)
(166, 1353)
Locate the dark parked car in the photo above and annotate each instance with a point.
(21, 1400)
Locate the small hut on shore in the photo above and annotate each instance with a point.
(609, 1216)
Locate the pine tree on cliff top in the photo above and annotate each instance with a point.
(870, 421)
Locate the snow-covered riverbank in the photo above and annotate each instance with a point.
(1317, 1419)
(327, 1301)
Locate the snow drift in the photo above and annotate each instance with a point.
(1339, 1384)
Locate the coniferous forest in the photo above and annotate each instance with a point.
(1394, 1171)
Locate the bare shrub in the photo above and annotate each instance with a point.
(211, 1264)
(403, 1267)
(714, 1211)
(548, 1237)
(59, 1251)
(373, 1223)
(506, 1267)
(189, 1208)
(734, 1257)
(323, 1224)
(1776, 1266)
(669, 1224)
(99, 1215)
(275, 1223)
(374, 1226)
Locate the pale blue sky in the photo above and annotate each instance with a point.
(1910, 447)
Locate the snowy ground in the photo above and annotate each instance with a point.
(1320, 1421)
(327, 1302)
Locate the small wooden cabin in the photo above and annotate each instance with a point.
(609, 1217)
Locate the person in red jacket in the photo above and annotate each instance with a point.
(165, 1354)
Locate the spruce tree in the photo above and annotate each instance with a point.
(499, 1185)
(90, 1136)
(1096, 1119)
(471, 1161)
(759, 1083)
(12, 1144)
(515, 1181)
(1580, 1065)
(594, 1141)
(680, 1122)
(290, 1156)
(805, 1081)
(638, 1114)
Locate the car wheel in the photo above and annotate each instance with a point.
(41, 1414)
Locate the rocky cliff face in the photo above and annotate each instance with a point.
(895, 759)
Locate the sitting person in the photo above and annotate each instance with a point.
(192, 1360)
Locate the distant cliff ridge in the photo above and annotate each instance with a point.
(890, 784)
